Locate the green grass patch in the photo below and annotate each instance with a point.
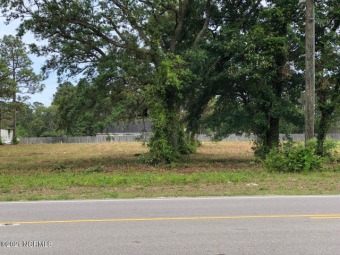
(91, 171)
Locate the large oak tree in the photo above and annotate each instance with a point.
(136, 45)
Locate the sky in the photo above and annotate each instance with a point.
(51, 84)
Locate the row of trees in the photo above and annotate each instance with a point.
(231, 66)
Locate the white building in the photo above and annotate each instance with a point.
(6, 135)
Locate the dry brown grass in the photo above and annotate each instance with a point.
(120, 157)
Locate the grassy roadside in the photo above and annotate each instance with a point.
(112, 170)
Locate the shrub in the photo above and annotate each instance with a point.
(328, 148)
(110, 138)
(293, 158)
(160, 152)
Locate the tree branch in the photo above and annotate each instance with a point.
(205, 25)
(180, 16)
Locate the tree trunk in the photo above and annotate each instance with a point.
(273, 133)
(0, 123)
(321, 137)
(168, 142)
(324, 125)
(310, 71)
(14, 139)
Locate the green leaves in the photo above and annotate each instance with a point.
(14, 58)
(292, 158)
(7, 85)
(327, 70)
(250, 78)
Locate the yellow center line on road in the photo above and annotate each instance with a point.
(308, 216)
(326, 217)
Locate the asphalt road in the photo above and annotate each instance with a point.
(224, 225)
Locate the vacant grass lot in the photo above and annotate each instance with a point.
(113, 170)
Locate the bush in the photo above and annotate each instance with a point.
(293, 158)
(160, 152)
(110, 138)
(328, 148)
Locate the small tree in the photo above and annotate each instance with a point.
(6, 89)
(15, 58)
